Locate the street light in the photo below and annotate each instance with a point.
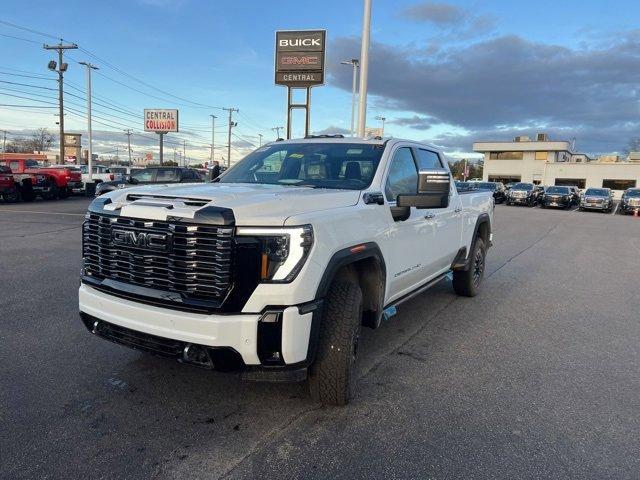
(383, 120)
(90, 159)
(355, 63)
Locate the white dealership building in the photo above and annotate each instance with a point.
(548, 162)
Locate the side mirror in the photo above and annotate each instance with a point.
(434, 187)
(132, 180)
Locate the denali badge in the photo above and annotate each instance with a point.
(129, 238)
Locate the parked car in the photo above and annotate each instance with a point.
(61, 179)
(630, 202)
(538, 193)
(123, 171)
(499, 192)
(557, 197)
(273, 268)
(575, 191)
(9, 188)
(151, 175)
(597, 199)
(522, 194)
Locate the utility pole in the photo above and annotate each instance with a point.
(184, 153)
(128, 133)
(61, 68)
(277, 130)
(260, 137)
(213, 135)
(89, 130)
(355, 63)
(231, 124)
(364, 67)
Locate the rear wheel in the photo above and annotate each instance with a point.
(63, 193)
(467, 282)
(332, 376)
(52, 194)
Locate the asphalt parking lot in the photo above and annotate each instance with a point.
(537, 377)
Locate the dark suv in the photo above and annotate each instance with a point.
(151, 175)
(597, 199)
(522, 194)
(499, 193)
(557, 197)
(630, 202)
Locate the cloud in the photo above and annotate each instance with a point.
(333, 130)
(416, 122)
(509, 82)
(441, 14)
(460, 23)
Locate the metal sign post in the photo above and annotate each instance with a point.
(300, 63)
(161, 146)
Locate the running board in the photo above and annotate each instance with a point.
(392, 306)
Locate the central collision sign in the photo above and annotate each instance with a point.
(160, 120)
(300, 57)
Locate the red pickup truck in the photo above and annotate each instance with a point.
(61, 181)
(24, 186)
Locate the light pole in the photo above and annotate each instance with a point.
(213, 129)
(364, 67)
(355, 63)
(89, 132)
(383, 120)
(128, 133)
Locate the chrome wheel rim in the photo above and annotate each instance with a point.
(478, 267)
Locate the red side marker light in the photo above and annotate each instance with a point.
(358, 248)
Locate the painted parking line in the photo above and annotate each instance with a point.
(615, 210)
(41, 213)
(574, 210)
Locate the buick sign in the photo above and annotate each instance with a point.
(299, 59)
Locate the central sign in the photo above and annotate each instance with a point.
(300, 57)
(160, 120)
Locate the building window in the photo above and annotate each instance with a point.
(505, 155)
(504, 178)
(541, 155)
(618, 184)
(571, 182)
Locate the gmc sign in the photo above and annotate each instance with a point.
(299, 58)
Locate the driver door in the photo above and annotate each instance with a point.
(411, 258)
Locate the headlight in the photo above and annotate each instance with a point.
(283, 250)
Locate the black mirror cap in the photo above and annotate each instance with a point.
(437, 181)
(424, 200)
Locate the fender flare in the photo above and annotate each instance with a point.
(461, 261)
(347, 256)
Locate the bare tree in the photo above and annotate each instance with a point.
(632, 146)
(40, 141)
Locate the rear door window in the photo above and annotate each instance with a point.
(427, 160)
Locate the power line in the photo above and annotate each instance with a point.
(19, 38)
(26, 29)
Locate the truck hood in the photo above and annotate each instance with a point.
(252, 204)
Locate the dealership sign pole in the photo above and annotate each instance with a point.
(160, 121)
(299, 63)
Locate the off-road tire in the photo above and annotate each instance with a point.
(467, 282)
(12, 196)
(63, 193)
(332, 376)
(53, 193)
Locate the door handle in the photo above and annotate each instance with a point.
(458, 210)
(430, 216)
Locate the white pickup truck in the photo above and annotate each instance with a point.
(273, 268)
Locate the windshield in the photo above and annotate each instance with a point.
(558, 190)
(522, 186)
(633, 193)
(349, 166)
(597, 192)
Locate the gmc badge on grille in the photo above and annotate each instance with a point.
(130, 238)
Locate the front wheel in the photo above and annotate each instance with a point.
(467, 282)
(12, 195)
(332, 376)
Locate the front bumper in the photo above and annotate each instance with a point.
(557, 203)
(520, 201)
(630, 209)
(242, 335)
(595, 206)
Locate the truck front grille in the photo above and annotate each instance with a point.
(174, 262)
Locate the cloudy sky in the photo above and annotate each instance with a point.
(446, 72)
